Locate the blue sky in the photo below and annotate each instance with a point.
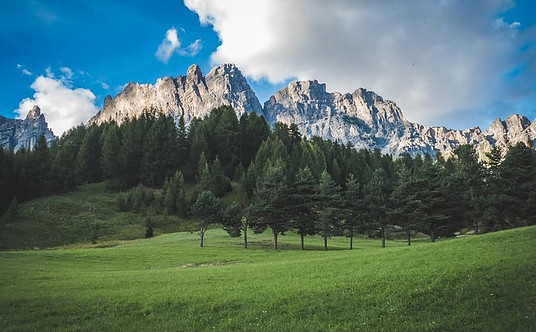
(447, 62)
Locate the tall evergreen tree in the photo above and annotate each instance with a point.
(269, 206)
(376, 200)
(469, 178)
(160, 151)
(208, 211)
(328, 207)
(89, 156)
(111, 152)
(174, 195)
(353, 203)
(301, 202)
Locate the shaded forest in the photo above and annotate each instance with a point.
(286, 181)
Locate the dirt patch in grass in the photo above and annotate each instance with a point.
(209, 264)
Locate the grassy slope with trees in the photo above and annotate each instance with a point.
(476, 283)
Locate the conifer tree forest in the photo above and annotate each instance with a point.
(286, 182)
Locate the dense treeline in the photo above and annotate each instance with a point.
(286, 182)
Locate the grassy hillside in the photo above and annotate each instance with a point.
(79, 216)
(484, 283)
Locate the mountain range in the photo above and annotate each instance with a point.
(362, 117)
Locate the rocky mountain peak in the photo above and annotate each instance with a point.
(191, 96)
(194, 73)
(35, 112)
(107, 101)
(24, 133)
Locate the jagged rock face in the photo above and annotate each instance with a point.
(191, 96)
(366, 120)
(18, 133)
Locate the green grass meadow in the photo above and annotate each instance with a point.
(169, 283)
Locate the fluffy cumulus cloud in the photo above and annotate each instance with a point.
(436, 59)
(62, 105)
(171, 45)
(168, 45)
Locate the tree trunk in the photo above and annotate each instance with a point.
(325, 243)
(432, 233)
(475, 223)
(408, 233)
(201, 237)
(302, 247)
(275, 239)
(246, 236)
(351, 238)
(382, 230)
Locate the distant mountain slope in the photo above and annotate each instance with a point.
(24, 133)
(368, 121)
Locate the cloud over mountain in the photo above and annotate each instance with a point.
(436, 59)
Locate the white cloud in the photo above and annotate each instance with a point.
(63, 106)
(24, 70)
(169, 44)
(192, 49)
(67, 72)
(104, 85)
(433, 58)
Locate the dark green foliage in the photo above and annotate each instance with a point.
(111, 152)
(270, 203)
(207, 209)
(288, 182)
(8, 179)
(137, 199)
(353, 208)
(160, 151)
(219, 182)
(302, 201)
(132, 132)
(232, 220)
(89, 157)
(376, 200)
(174, 196)
(328, 207)
(13, 206)
(148, 228)
(64, 163)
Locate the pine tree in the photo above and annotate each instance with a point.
(469, 176)
(174, 195)
(204, 177)
(131, 151)
(182, 143)
(376, 200)
(434, 206)
(301, 202)
(232, 220)
(89, 157)
(207, 209)
(160, 152)
(353, 203)
(220, 184)
(404, 201)
(111, 152)
(269, 206)
(328, 207)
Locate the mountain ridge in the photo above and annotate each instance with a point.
(362, 117)
(24, 133)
